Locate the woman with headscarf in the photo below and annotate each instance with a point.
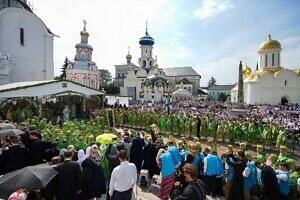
(81, 156)
(93, 177)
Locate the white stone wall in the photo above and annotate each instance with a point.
(270, 89)
(34, 60)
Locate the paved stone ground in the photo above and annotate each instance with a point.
(145, 194)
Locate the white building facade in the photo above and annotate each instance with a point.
(83, 70)
(27, 41)
(271, 83)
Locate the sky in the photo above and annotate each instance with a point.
(212, 36)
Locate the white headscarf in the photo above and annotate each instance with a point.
(81, 156)
(88, 152)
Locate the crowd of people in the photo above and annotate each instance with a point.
(187, 169)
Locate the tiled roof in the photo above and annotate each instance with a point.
(221, 87)
(180, 71)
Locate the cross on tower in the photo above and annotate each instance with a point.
(84, 24)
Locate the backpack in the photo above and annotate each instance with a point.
(143, 181)
(199, 189)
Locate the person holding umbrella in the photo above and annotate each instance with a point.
(28, 178)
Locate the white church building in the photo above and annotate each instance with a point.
(26, 44)
(147, 82)
(270, 83)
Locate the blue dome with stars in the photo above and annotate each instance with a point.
(146, 40)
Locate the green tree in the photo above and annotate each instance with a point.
(222, 97)
(211, 82)
(63, 69)
(105, 76)
(111, 88)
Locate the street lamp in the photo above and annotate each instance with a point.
(168, 100)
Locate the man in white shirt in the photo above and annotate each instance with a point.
(123, 179)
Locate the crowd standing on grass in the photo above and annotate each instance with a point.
(187, 169)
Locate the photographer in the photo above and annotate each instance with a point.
(195, 189)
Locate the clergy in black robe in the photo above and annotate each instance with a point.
(237, 189)
(136, 154)
(149, 156)
(93, 176)
(14, 157)
(270, 184)
(69, 179)
(37, 149)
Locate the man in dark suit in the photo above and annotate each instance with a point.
(69, 178)
(14, 157)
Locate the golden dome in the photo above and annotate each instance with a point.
(246, 71)
(269, 44)
(128, 56)
(297, 71)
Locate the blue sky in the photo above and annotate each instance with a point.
(212, 36)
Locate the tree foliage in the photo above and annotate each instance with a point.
(111, 88)
(222, 97)
(63, 69)
(105, 76)
(211, 82)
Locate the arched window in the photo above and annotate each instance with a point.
(22, 36)
(150, 63)
(266, 60)
(285, 82)
(272, 59)
(278, 60)
(144, 63)
(119, 75)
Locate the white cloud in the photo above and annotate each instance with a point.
(212, 8)
(290, 41)
(224, 70)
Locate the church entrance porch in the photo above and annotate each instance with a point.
(284, 100)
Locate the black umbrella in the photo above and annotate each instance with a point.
(10, 132)
(6, 126)
(30, 178)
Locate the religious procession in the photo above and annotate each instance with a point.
(189, 153)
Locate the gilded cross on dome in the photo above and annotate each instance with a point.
(84, 24)
(84, 32)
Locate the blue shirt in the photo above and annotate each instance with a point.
(284, 186)
(211, 165)
(175, 155)
(167, 166)
(220, 168)
(249, 181)
(229, 176)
